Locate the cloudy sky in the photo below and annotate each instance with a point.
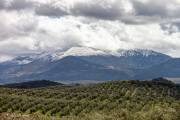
(31, 26)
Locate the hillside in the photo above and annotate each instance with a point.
(73, 68)
(32, 84)
(170, 68)
(123, 100)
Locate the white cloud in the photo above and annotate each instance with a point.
(109, 35)
(44, 25)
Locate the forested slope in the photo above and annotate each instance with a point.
(123, 100)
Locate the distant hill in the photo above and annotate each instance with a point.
(32, 84)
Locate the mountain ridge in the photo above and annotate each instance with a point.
(85, 64)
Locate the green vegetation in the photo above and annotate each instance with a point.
(116, 100)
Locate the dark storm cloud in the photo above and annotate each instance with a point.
(20, 4)
(94, 9)
(176, 23)
(150, 9)
(49, 10)
(2, 4)
(141, 12)
(171, 27)
(158, 8)
(16, 5)
(114, 11)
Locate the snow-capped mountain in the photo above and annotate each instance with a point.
(78, 51)
(135, 52)
(79, 63)
(56, 55)
(86, 51)
(120, 59)
(83, 52)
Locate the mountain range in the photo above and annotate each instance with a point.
(83, 63)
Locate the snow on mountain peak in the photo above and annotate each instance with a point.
(86, 51)
(79, 51)
(83, 51)
(135, 52)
